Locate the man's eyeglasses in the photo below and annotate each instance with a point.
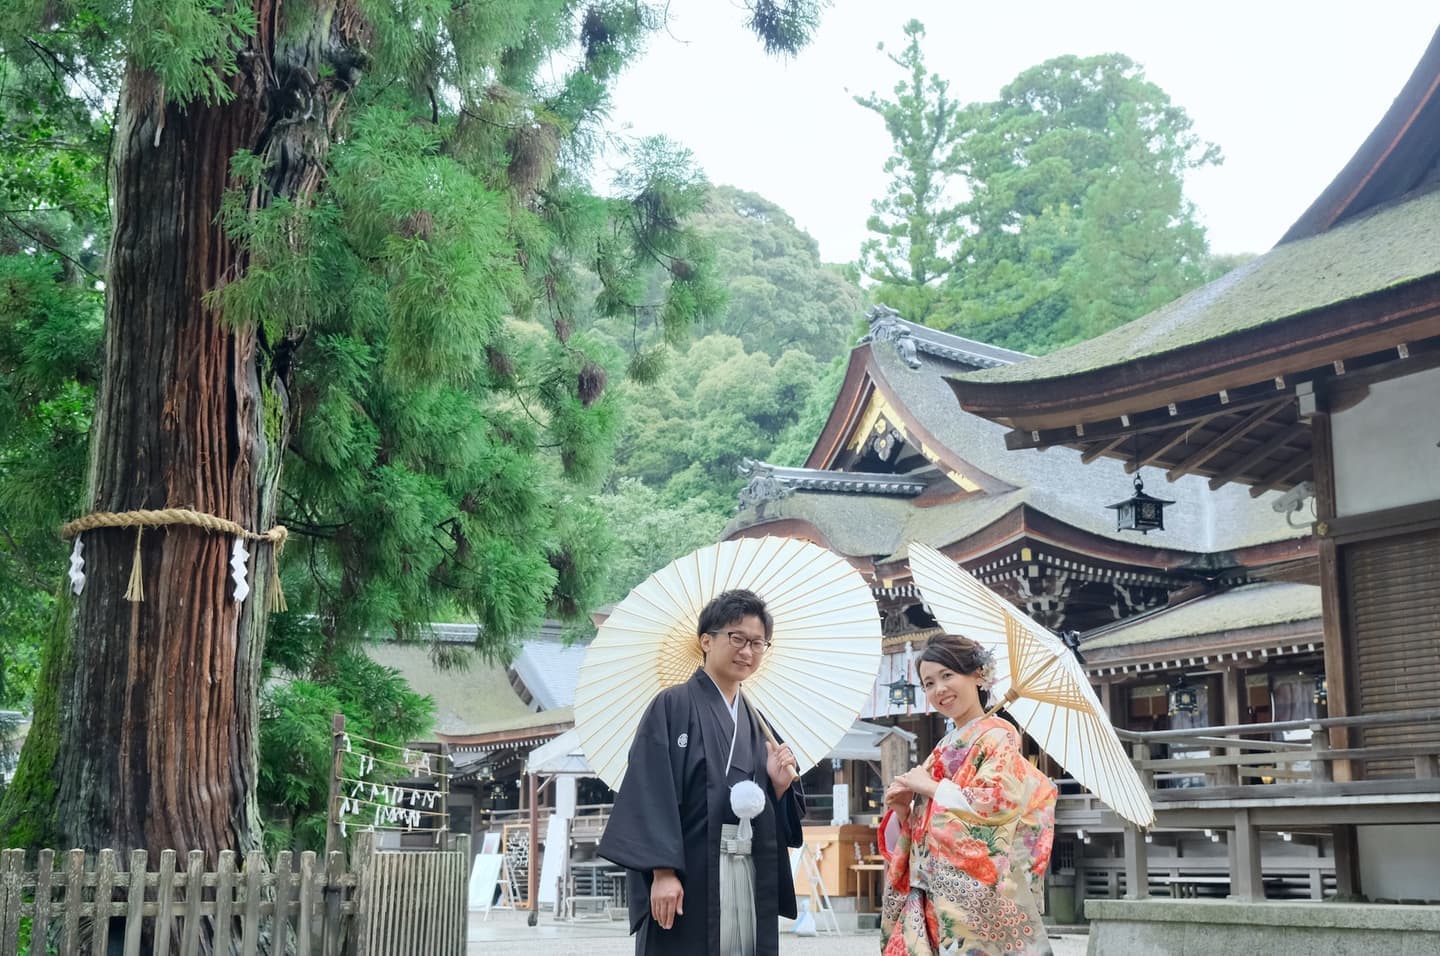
(738, 640)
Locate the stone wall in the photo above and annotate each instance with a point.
(1161, 927)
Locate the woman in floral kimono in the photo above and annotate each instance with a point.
(967, 836)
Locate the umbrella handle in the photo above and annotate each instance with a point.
(1010, 697)
(770, 736)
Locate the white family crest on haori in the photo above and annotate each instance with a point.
(1038, 680)
(809, 686)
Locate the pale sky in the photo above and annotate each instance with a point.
(1287, 89)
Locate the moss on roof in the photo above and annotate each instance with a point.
(1390, 247)
(543, 718)
(854, 524)
(476, 696)
(1252, 605)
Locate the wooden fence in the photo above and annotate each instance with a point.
(384, 903)
(413, 901)
(85, 905)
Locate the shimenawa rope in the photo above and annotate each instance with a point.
(140, 520)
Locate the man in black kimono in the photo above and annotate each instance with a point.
(695, 742)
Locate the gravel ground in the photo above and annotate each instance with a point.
(505, 932)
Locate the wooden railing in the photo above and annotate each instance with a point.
(1293, 878)
(1233, 758)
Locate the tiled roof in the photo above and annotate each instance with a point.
(549, 668)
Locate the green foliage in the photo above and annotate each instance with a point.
(779, 295)
(798, 439)
(918, 223)
(188, 47)
(1076, 220)
(659, 190)
(650, 532)
(785, 26)
(27, 814)
(49, 345)
(295, 736)
(715, 406)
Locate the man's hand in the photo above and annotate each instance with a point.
(780, 764)
(667, 898)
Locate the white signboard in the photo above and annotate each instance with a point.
(484, 877)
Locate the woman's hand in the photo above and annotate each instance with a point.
(897, 798)
(917, 780)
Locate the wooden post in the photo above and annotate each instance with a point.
(1140, 754)
(532, 871)
(1233, 691)
(1246, 882)
(250, 934)
(1319, 766)
(224, 900)
(333, 932)
(1137, 864)
(361, 863)
(165, 894)
(1332, 608)
(1347, 863)
(443, 768)
(74, 893)
(333, 840)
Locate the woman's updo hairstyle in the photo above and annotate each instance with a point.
(959, 654)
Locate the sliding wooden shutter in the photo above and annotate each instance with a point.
(1394, 591)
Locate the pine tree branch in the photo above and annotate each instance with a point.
(52, 247)
(36, 581)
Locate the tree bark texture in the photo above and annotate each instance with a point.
(157, 702)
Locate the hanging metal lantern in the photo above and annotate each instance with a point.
(1322, 695)
(902, 693)
(1184, 699)
(1140, 512)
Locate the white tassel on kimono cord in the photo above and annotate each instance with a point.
(746, 800)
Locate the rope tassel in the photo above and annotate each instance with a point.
(135, 593)
(274, 596)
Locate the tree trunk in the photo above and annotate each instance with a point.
(157, 700)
